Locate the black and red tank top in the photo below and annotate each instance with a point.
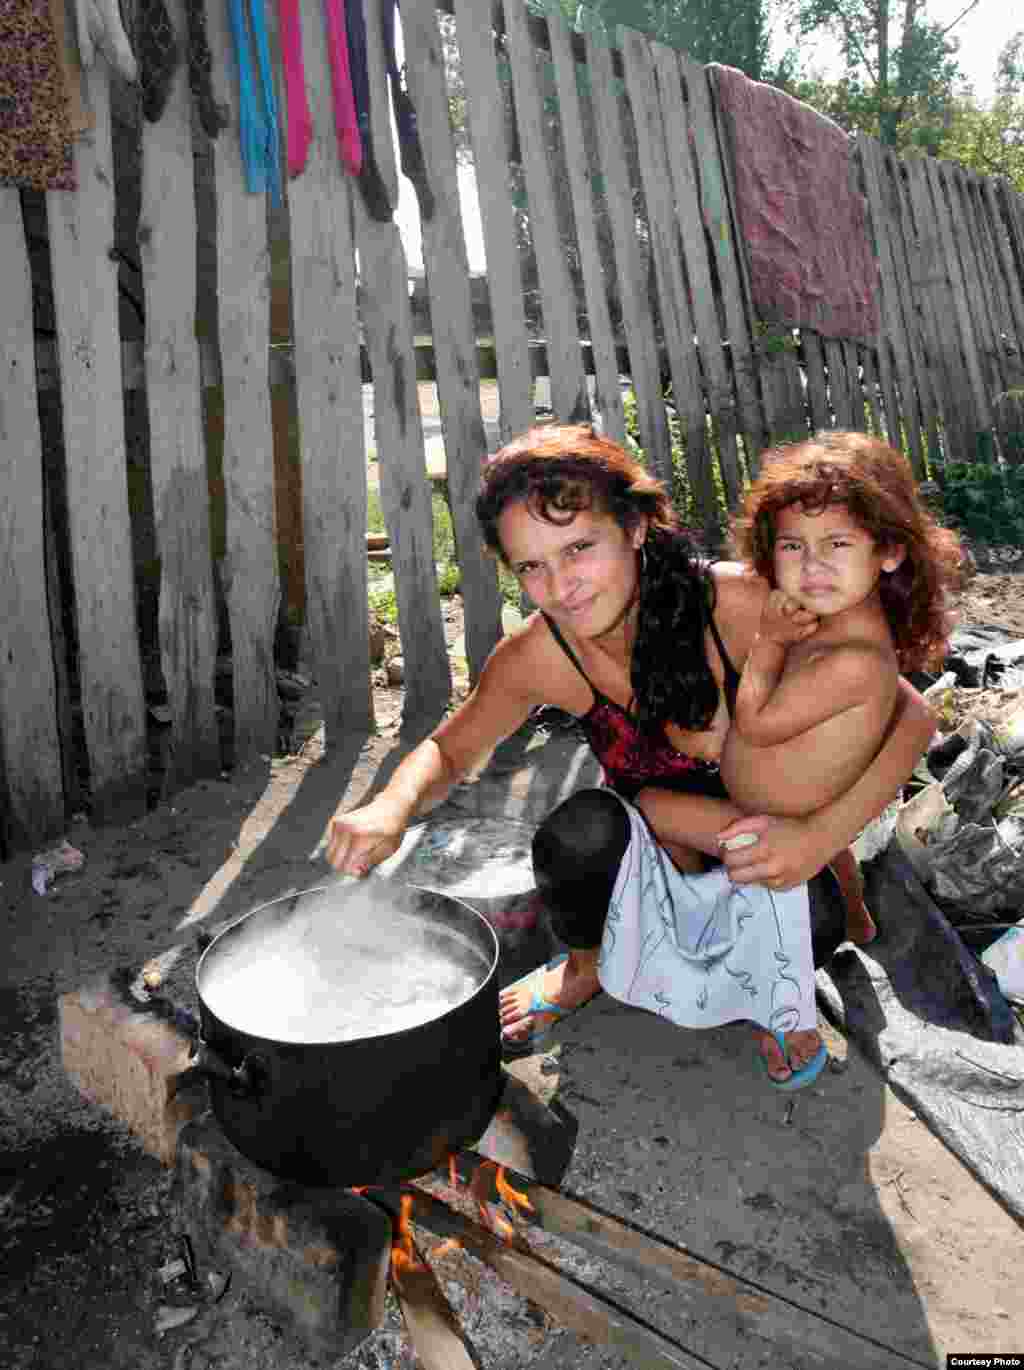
(633, 758)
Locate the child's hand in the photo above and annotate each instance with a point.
(784, 622)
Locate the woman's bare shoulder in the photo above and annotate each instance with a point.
(737, 588)
(528, 661)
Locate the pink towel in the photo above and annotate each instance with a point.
(350, 145)
(300, 121)
(800, 213)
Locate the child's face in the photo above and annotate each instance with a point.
(826, 561)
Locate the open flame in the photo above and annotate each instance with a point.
(403, 1252)
(514, 1199)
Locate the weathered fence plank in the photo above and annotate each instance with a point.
(1011, 281)
(714, 177)
(663, 233)
(644, 365)
(570, 399)
(181, 499)
(961, 309)
(398, 428)
(977, 279)
(85, 303)
(814, 369)
(29, 740)
(329, 397)
(997, 293)
(243, 289)
(721, 397)
(608, 385)
(451, 315)
(486, 107)
(838, 383)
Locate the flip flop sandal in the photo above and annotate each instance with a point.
(796, 1079)
(534, 1041)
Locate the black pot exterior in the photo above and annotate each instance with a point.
(376, 1110)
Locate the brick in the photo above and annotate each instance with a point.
(317, 1259)
(133, 1064)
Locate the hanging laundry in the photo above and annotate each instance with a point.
(371, 183)
(410, 148)
(299, 120)
(257, 109)
(35, 128)
(81, 118)
(99, 25)
(213, 113)
(346, 124)
(158, 56)
(802, 218)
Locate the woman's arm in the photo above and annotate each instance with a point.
(791, 850)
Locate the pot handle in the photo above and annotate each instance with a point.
(247, 1079)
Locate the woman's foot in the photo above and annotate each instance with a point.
(801, 1049)
(564, 986)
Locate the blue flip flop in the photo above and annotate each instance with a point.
(535, 1040)
(796, 1079)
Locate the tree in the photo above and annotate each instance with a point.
(734, 32)
(901, 67)
(990, 139)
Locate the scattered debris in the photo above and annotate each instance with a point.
(168, 1317)
(60, 860)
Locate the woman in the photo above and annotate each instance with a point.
(644, 645)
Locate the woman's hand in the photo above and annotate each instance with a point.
(788, 851)
(362, 839)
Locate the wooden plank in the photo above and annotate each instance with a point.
(1010, 278)
(451, 325)
(644, 366)
(838, 383)
(715, 199)
(721, 396)
(930, 283)
(961, 310)
(894, 330)
(581, 175)
(875, 417)
(181, 497)
(570, 1303)
(570, 398)
(817, 393)
(329, 398)
(977, 279)
(887, 378)
(673, 298)
(485, 103)
(434, 1330)
(243, 289)
(29, 739)
(995, 295)
(398, 434)
(858, 419)
(85, 302)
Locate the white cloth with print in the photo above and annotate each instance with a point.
(701, 951)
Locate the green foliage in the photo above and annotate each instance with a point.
(731, 31)
(985, 501)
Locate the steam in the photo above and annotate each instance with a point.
(341, 963)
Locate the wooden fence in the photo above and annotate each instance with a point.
(608, 162)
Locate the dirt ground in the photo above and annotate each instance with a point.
(882, 1226)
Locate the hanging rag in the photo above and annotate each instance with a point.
(371, 183)
(82, 119)
(159, 56)
(213, 113)
(98, 24)
(346, 121)
(299, 120)
(257, 117)
(35, 126)
(701, 951)
(802, 218)
(410, 148)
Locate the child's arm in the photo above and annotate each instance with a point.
(822, 689)
(764, 711)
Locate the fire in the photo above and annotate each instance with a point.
(480, 1188)
(403, 1252)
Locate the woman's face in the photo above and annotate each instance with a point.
(582, 573)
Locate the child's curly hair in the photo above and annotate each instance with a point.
(876, 484)
(557, 470)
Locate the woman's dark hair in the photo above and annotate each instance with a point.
(557, 470)
(876, 484)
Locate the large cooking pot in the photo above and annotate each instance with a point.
(351, 1033)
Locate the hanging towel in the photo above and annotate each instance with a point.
(158, 54)
(213, 114)
(801, 216)
(346, 121)
(299, 120)
(411, 151)
(35, 126)
(371, 183)
(701, 951)
(257, 118)
(98, 24)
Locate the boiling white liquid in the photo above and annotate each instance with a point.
(330, 974)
